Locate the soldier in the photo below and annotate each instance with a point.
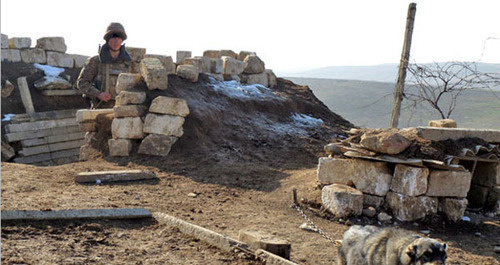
(97, 80)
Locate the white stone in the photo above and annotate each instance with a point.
(86, 115)
(60, 59)
(386, 142)
(129, 111)
(253, 65)
(232, 66)
(342, 200)
(369, 177)
(127, 128)
(216, 66)
(154, 74)
(166, 61)
(119, 147)
(11, 55)
(130, 98)
(137, 54)
(170, 106)
(127, 81)
(189, 72)
(443, 183)
(204, 64)
(260, 79)
(33, 56)
(157, 145)
(164, 124)
(444, 123)
(215, 54)
(181, 55)
(19, 43)
(5, 41)
(410, 208)
(229, 53)
(55, 44)
(411, 181)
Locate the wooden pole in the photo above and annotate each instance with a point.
(403, 65)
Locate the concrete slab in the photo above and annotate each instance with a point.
(115, 175)
(39, 125)
(53, 139)
(48, 148)
(120, 213)
(47, 156)
(439, 134)
(46, 115)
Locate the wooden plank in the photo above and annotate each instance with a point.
(53, 139)
(47, 156)
(48, 148)
(115, 175)
(61, 92)
(46, 115)
(39, 125)
(24, 90)
(119, 213)
(18, 136)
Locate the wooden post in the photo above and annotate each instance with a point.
(24, 90)
(403, 65)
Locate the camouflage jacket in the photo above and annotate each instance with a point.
(100, 73)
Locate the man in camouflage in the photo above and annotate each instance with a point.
(97, 80)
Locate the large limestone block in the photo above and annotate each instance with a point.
(253, 65)
(129, 111)
(154, 74)
(33, 56)
(342, 200)
(212, 54)
(5, 41)
(196, 62)
(170, 106)
(19, 43)
(189, 72)
(52, 82)
(386, 142)
(164, 124)
(443, 183)
(372, 200)
(55, 44)
(487, 174)
(166, 61)
(130, 98)
(120, 147)
(444, 123)
(411, 181)
(410, 208)
(369, 177)
(127, 128)
(79, 60)
(127, 81)
(232, 66)
(216, 66)
(137, 54)
(260, 79)
(453, 208)
(271, 78)
(11, 55)
(229, 53)
(181, 55)
(60, 59)
(243, 54)
(206, 64)
(157, 145)
(87, 115)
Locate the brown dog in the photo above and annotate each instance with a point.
(371, 245)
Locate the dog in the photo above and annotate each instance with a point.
(371, 245)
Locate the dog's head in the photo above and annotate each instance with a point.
(427, 251)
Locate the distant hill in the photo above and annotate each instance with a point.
(369, 104)
(380, 73)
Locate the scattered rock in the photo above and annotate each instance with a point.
(385, 142)
(370, 211)
(384, 217)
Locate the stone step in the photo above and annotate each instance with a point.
(48, 148)
(115, 175)
(47, 115)
(53, 139)
(18, 136)
(47, 156)
(439, 134)
(39, 125)
(120, 213)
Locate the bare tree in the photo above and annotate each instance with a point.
(440, 85)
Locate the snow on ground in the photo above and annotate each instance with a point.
(235, 89)
(49, 70)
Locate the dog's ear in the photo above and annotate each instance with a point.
(445, 246)
(411, 251)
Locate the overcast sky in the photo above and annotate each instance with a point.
(288, 35)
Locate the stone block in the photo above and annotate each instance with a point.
(157, 145)
(19, 43)
(369, 177)
(127, 128)
(170, 106)
(189, 72)
(181, 55)
(86, 115)
(79, 60)
(269, 242)
(129, 111)
(372, 200)
(33, 56)
(477, 195)
(260, 79)
(137, 54)
(215, 54)
(231, 66)
(386, 142)
(216, 66)
(60, 59)
(271, 78)
(218, 77)
(120, 147)
(166, 61)
(453, 208)
(7, 89)
(410, 208)
(154, 73)
(243, 54)
(22, 85)
(206, 64)
(197, 62)
(164, 124)
(229, 53)
(52, 82)
(89, 126)
(253, 65)
(342, 200)
(5, 41)
(127, 81)
(411, 181)
(438, 184)
(444, 123)
(11, 55)
(439, 134)
(55, 44)
(130, 98)
(487, 174)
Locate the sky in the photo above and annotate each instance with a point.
(288, 35)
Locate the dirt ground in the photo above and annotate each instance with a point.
(230, 198)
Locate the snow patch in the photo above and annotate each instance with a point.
(300, 124)
(49, 70)
(235, 89)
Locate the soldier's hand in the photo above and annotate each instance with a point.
(104, 96)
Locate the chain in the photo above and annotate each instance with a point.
(310, 222)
